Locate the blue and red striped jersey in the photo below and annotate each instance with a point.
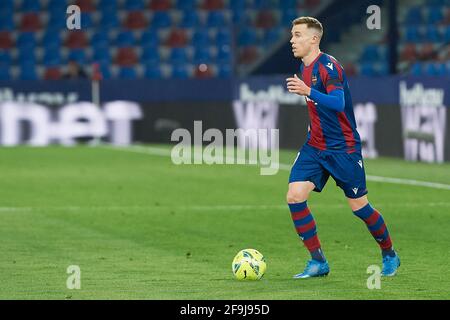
(330, 129)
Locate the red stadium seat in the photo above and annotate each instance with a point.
(5, 40)
(136, 20)
(160, 5)
(76, 39)
(213, 4)
(85, 5)
(203, 71)
(176, 38)
(248, 55)
(265, 19)
(409, 52)
(52, 73)
(30, 22)
(350, 69)
(312, 3)
(427, 52)
(126, 57)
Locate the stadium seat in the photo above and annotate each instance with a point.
(51, 38)
(152, 71)
(367, 69)
(5, 57)
(126, 57)
(288, 5)
(179, 71)
(6, 21)
(105, 70)
(26, 40)
(224, 54)
(176, 38)
(223, 37)
(134, 5)
(27, 71)
(135, 20)
(109, 19)
(225, 71)
(265, 19)
(433, 34)
(99, 39)
(435, 15)
(102, 54)
(30, 6)
(161, 19)
(203, 71)
(273, 36)
(370, 54)
(6, 41)
(409, 52)
(248, 55)
(5, 73)
(150, 37)
(30, 22)
(112, 4)
(185, 5)
(76, 39)
(247, 37)
(414, 16)
(128, 73)
(57, 21)
(52, 58)
(160, 5)
(242, 18)
(264, 4)
(447, 34)
(287, 16)
(150, 54)
(86, 21)
(427, 52)
(413, 34)
(213, 4)
(200, 38)
(216, 19)
(52, 73)
(86, 5)
(7, 6)
(178, 55)
(78, 55)
(190, 19)
(202, 56)
(125, 39)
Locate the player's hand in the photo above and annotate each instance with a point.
(296, 85)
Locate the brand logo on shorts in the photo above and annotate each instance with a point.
(355, 190)
(360, 163)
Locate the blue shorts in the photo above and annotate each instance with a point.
(315, 165)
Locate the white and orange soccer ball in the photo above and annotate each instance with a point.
(249, 264)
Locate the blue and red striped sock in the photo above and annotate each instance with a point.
(377, 227)
(306, 229)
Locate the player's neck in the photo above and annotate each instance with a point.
(307, 60)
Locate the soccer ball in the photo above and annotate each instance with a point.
(249, 264)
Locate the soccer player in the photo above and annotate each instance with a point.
(333, 147)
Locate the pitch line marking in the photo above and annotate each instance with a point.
(283, 166)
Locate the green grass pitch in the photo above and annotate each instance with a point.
(140, 227)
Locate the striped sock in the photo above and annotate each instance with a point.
(376, 226)
(306, 229)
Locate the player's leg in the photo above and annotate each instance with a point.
(307, 175)
(377, 227)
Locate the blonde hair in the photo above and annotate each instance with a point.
(310, 23)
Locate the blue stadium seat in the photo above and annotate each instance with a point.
(370, 54)
(128, 73)
(109, 19)
(225, 71)
(150, 37)
(30, 6)
(27, 71)
(86, 20)
(112, 4)
(216, 19)
(99, 39)
(265, 4)
(447, 34)
(57, 21)
(7, 6)
(5, 57)
(153, 71)
(367, 69)
(6, 21)
(247, 37)
(185, 5)
(224, 54)
(26, 40)
(223, 37)
(202, 55)
(178, 55)
(190, 19)
(237, 5)
(413, 34)
(287, 16)
(77, 55)
(288, 5)
(432, 34)
(434, 69)
(161, 19)
(52, 58)
(105, 70)
(5, 74)
(179, 71)
(134, 5)
(273, 35)
(51, 38)
(414, 16)
(125, 39)
(242, 18)
(25, 54)
(102, 54)
(60, 5)
(416, 69)
(435, 15)
(150, 54)
(200, 38)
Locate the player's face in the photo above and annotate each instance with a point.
(301, 40)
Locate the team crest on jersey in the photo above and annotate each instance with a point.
(314, 80)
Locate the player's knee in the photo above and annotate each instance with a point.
(297, 196)
(356, 204)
